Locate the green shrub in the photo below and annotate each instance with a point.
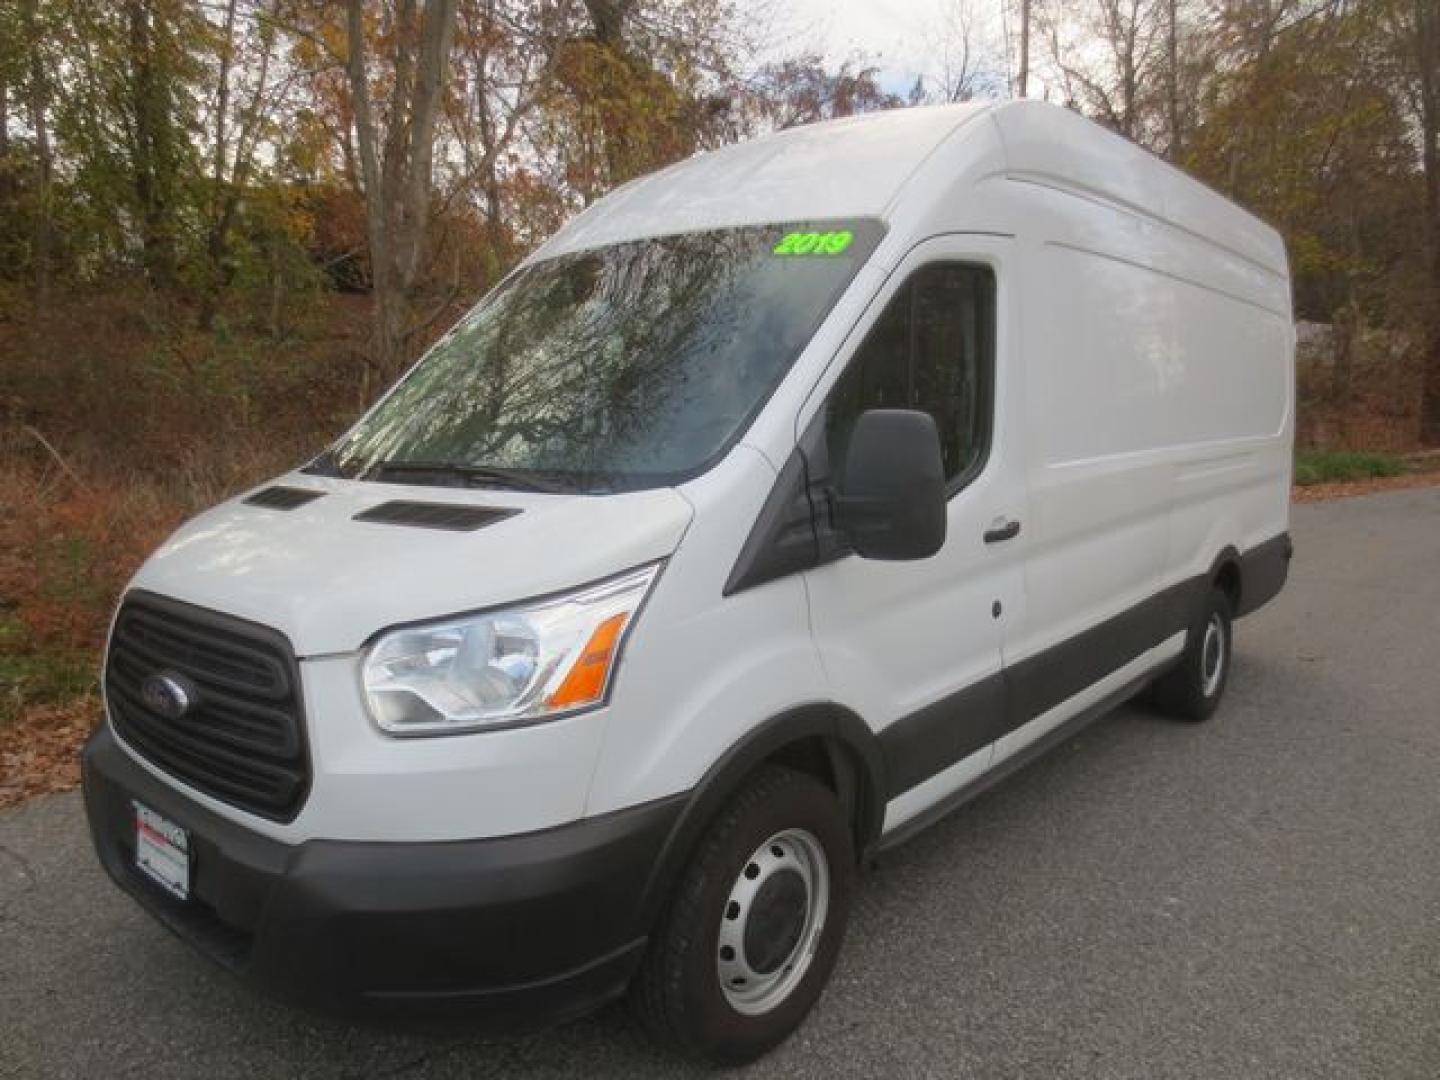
(1329, 466)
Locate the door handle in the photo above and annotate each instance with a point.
(1002, 530)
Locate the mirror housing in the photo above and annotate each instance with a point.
(891, 502)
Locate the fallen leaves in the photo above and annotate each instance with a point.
(40, 750)
(66, 549)
(40, 747)
(1347, 488)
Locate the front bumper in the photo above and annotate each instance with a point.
(539, 926)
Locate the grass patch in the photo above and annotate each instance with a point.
(1334, 466)
(37, 678)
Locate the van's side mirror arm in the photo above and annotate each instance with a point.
(890, 503)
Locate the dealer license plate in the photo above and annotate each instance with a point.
(162, 851)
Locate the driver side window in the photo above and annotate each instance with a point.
(932, 349)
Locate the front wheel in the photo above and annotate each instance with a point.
(756, 923)
(1191, 690)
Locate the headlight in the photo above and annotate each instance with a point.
(520, 664)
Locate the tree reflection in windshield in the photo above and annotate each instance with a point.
(626, 366)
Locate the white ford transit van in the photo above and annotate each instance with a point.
(776, 506)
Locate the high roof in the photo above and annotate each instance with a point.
(858, 166)
(850, 167)
(1050, 145)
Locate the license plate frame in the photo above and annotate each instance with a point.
(162, 851)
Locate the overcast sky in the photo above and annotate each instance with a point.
(900, 37)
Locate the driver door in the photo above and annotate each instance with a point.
(916, 648)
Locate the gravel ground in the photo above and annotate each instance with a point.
(1255, 897)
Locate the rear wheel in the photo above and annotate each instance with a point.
(756, 923)
(1192, 689)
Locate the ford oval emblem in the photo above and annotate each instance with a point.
(167, 694)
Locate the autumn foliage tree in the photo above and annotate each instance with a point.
(225, 158)
(226, 224)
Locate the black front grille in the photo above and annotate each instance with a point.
(242, 738)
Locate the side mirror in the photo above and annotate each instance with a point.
(891, 502)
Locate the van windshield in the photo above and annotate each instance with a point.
(628, 366)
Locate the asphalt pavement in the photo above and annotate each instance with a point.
(1254, 897)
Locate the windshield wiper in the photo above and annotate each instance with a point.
(474, 475)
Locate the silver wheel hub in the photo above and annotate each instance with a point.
(772, 921)
(1212, 656)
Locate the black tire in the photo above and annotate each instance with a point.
(677, 994)
(1192, 689)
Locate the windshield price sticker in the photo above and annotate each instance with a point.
(814, 243)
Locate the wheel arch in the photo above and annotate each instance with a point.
(1226, 574)
(824, 739)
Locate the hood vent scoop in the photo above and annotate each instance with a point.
(280, 497)
(426, 515)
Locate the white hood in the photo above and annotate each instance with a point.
(329, 582)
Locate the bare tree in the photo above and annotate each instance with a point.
(397, 158)
(156, 146)
(238, 117)
(959, 60)
(4, 110)
(1107, 52)
(1022, 78)
(1424, 26)
(1172, 79)
(498, 79)
(803, 90)
(38, 114)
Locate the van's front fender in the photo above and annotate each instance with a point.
(843, 733)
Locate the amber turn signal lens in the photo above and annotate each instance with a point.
(586, 680)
